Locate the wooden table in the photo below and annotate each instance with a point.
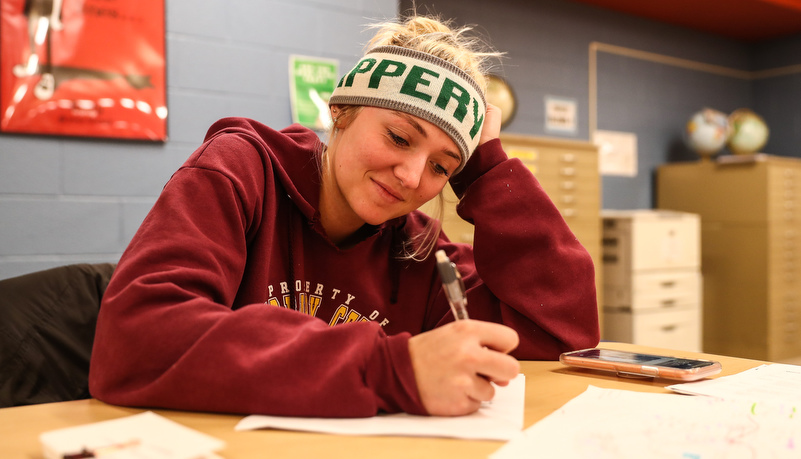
(549, 385)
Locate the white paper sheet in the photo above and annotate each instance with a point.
(141, 436)
(500, 419)
(609, 423)
(774, 382)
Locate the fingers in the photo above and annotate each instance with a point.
(456, 364)
(492, 124)
(487, 347)
(481, 389)
(497, 367)
(494, 336)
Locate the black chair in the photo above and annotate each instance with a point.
(47, 327)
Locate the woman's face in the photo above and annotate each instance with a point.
(385, 164)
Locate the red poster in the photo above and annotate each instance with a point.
(90, 68)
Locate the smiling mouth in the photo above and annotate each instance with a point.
(389, 191)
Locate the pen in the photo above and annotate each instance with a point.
(453, 285)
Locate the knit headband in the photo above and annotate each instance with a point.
(419, 84)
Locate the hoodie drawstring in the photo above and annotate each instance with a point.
(291, 258)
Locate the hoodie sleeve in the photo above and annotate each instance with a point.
(527, 269)
(168, 335)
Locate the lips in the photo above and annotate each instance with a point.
(388, 191)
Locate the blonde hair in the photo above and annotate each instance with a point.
(432, 35)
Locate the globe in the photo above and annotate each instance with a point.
(707, 131)
(749, 132)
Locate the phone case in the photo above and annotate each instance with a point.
(635, 369)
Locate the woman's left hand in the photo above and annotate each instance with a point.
(492, 125)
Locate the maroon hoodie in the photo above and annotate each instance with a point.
(231, 298)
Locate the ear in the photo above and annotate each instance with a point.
(340, 118)
(335, 111)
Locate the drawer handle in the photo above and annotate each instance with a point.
(668, 303)
(668, 328)
(669, 284)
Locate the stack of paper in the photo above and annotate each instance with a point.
(142, 436)
(775, 382)
(753, 414)
(608, 423)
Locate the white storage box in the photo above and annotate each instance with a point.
(652, 278)
(668, 329)
(649, 239)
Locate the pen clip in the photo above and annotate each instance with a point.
(458, 276)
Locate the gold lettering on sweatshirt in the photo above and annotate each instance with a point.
(309, 303)
(344, 315)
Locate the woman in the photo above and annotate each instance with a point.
(278, 275)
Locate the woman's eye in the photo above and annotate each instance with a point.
(439, 170)
(397, 140)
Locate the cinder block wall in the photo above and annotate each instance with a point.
(65, 200)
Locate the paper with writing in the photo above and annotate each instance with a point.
(774, 382)
(610, 423)
(142, 436)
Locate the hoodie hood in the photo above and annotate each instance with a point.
(294, 152)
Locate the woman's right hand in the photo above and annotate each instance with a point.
(454, 365)
(492, 124)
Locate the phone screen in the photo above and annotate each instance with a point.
(643, 359)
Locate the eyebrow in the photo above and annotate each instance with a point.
(410, 119)
(413, 122)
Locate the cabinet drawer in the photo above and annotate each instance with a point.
(583, 188)
(579, 211)
(649, 240)
(670, 329)
(671, 289)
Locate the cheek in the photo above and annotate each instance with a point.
(360, 155)
(430, 190)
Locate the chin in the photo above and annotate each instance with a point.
(377, 220)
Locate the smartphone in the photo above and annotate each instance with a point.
(633, 364)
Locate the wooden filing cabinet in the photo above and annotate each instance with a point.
(652, 278)
(750, 209)
(568, 172)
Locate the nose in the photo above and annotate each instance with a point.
(410, 170)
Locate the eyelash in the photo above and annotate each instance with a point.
(441, 170)
(396, 139)
(401, 142)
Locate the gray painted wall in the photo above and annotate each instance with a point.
(65, 200)
(547, 44)
(68, 200)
